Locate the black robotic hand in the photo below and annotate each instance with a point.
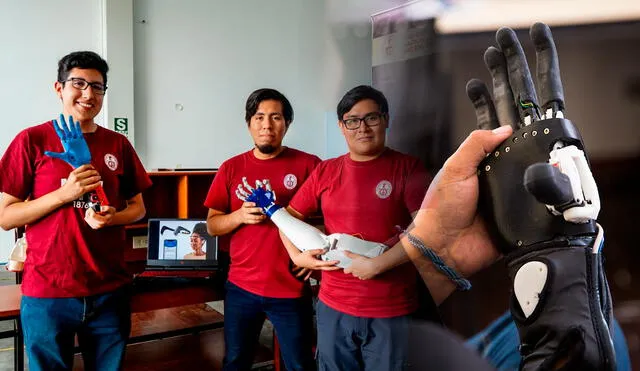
(540, 201)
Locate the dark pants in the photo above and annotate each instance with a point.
(102, 323)
(350, 343)
(244, 315)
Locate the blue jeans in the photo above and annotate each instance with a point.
(349, 343)
(102, 323)
(499, 343)
(244, 315)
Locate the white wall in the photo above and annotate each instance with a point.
(117, 19)
(34, 35)
(207, 56)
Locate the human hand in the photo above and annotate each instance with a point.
(76, 151)
(361, 266)
(98, 220)
(248, 213)
(301, 272)
(448, 217)
(311, 259)
(80, 181)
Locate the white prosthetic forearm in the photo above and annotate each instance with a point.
(347, 242)
(302, 235)
(305, 237)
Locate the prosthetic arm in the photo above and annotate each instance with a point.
(76, 153)
(301, 234)
(540, 202)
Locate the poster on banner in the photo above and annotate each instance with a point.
(405, 69)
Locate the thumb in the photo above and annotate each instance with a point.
(350, 255)
(316, 251)
(60, 155)
(105, 209)
(464, 162)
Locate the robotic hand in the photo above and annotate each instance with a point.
(301, 234)
(76, 152)
(540, 202)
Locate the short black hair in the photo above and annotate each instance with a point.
(360, 93)
(85, 60)
(261, 95)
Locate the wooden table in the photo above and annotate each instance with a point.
(10, 310)
(145, 297)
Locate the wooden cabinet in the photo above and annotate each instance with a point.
(174, 194)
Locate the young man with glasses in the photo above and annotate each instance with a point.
(261, 283)
(364, 309)
(75, 277)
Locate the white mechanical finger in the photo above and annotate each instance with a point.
(528, 284)
(573, 163)
(240, 196)
(244, 193)
(258, 184)
(246, 184)
(268, 186)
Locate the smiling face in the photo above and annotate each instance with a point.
(83, 105)
(267, 128)
(197, 242)
(366, 142)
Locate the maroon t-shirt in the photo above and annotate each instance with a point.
(260, 263)
(65, 256)
(368, 200)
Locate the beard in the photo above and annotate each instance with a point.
(266, 149)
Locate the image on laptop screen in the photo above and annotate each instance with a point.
(181, 243)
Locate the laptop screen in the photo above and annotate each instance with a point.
(181, 244)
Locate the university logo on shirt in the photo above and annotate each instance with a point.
(383, 189)
(290, 181)
(111, 161)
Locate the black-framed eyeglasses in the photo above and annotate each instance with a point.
(371, 119)
(82, 84)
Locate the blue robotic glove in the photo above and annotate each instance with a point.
(540, 202)
(76, 152)
(262, 195)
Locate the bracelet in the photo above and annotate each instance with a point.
(462, 283)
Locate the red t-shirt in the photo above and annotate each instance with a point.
(367, 199)
(65, 256)
(260, 263)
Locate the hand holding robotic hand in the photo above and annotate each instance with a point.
(76, 152)
(302, 235)
(540, 202)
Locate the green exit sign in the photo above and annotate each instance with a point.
(121, 125)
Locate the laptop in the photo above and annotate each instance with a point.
(179, 246)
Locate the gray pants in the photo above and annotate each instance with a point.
(350, 343)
